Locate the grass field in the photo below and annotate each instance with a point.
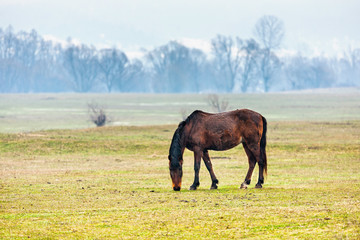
(32, 112)
(113, 182)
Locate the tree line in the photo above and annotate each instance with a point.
(29, 63)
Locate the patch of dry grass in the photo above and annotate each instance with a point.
(114, 182)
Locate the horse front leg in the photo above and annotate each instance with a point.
(209, 167)
(197, 161)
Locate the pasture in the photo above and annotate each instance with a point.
(76, 181)
(31, 112)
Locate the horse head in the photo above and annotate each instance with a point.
(175, 166)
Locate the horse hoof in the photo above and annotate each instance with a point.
(192, 188)
(243, 186)
(258, 186)
(214, 187)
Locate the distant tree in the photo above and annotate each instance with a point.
(350, 67)
(227, 53)
(250, 56)
(29, 63)
(210, 78)
(113, 65)
(197, 68)
(216, 104)
(82, 64)
(323, 73)
(136, 78)
(269, 64)
(47, 72)
(303, 73)
(299, 72)
(269, 30)
(11, 68)
(175, 67)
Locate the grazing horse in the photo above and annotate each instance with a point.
(203, 131)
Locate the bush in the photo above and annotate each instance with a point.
(97, 114)
(217, 106)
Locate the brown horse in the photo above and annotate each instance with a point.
(203, 131)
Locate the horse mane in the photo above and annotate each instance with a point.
(176, 144)
(175, 150)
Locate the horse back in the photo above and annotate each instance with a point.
(221, 131)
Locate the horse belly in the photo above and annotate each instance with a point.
(226, 142)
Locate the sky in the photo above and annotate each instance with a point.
(323, 27)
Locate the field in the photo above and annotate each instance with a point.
(30, 112)
(62, 178)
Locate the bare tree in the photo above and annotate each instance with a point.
(135, 78)
(175, 67)
(82, 64)
(299, 72)
(351, 66)
(11, 67)
(113, 65)
(217, 105)
(228, 58)
(269, 65)
(269, 30)
(305, 72)
(250, 57)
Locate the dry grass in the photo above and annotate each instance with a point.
(113, 182)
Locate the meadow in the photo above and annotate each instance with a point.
(31, 112)
(62, 178)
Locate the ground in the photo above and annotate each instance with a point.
(114, 182)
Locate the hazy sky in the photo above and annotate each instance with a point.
(311, 25)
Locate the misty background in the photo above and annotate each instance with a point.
(177, 47)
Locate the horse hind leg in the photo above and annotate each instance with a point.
(209, 167)
(255, 150)
(252, 163)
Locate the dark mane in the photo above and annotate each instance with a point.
(175, 151)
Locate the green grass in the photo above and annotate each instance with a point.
(113, 182)
(61, 179)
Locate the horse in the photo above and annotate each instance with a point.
(202, 131)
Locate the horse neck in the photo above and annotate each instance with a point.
(177, 146)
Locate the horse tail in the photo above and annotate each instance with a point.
(263, 144)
